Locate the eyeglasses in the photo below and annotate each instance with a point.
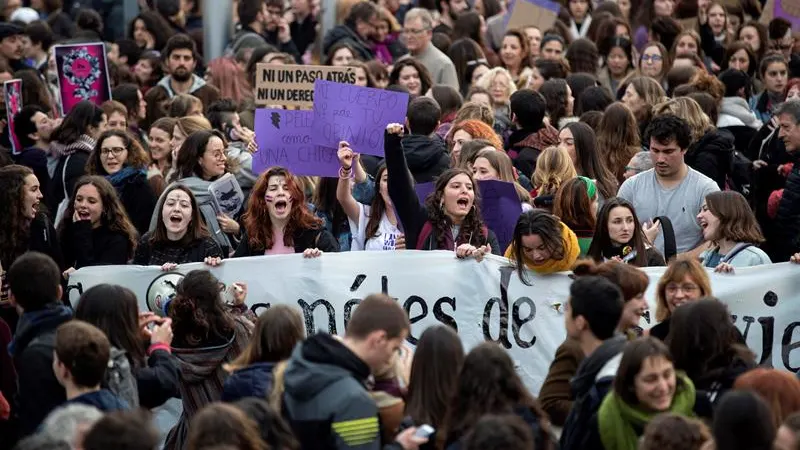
(652, 58)
(115, 150)
(635, 169)
(218, 155)
(413, 31)
(687, 288)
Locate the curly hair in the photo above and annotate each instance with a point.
(489, 384)
(555, 93)
(137, 157)
(14, 228)
(478, 130)
(553, 168)
(674, 432)
(471, 230)
(197, 313)
(114, 215)
(257, 221)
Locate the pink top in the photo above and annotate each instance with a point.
(278, 247)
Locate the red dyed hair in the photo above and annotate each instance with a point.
(257, 221)
(780, 389)
(227, 77)
(792, 83)
(478, 130)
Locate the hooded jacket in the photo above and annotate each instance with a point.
(426, 156)
(343, 33)
(525, 146)
(202, 377)
(734, 111)
(712, 155)
(104, 400)
(39, 392)
(325, 399)
(205, 92)
(199, 188)
(255, 380)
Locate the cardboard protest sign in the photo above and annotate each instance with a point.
(541, 14)
(12, 90)
(293, 85)
(82, 74)
(358, 115)
(500, 209)
(284, 139)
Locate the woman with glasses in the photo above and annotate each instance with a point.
(201, 160)
(122, 160)
(684, 281)
(655, 62)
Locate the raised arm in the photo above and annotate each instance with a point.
(344, 194)
(401, 186)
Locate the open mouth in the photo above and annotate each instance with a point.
(175, 219)
(84, 215)
(281, 206)
(462, 202)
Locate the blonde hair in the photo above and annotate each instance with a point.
(275, 397)
(689, 110)
(192, 124)
(679, 269)
(553, 168)
(485, 81)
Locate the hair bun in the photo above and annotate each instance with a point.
(585, 267)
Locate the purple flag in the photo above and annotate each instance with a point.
(358, 115)
(500, 208)
(82, 74)
(13, 95)
(284, 139)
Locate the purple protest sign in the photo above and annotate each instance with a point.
(500, 208)
(82, 74)
(358, 115)
(423, 190)
(284, 139)
(789, 11)
(12, 90)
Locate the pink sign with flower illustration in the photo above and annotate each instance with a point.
(12, 91)
(82, 74)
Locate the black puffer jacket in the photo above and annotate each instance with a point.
(712, 154)
(427, 157)
(343, 33)
(787, 221)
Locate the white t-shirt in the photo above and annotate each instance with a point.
(385, 239)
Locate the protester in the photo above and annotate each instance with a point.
(575, 204)
(619, 236)
(129, 429)
(418, 32)
(33, 128)
(114, 310)
(684, 281)
(528, 109)
(580, 142)
(221, 424)
(617, 139)
(491, 164)
(553, 168)
(743, 421)
(780, 389)
(160, 152)
(542, 243)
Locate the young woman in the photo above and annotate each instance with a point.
(552, 47)
(714, 31)
(363, 76)
(340, 55)
(580, 13)
(739, 56)
(450, 219)
(465, 131)
(709, 348)
(185, 105)
(617, 139)
(556, 395)
(180, 235)
(275, 335)
(547, 69)
(160, 138)
(645, 386)
(655, 62)
(150, 31)
(387, 45)
(534, 35)
(222, 425)
(434, 375)
(580, 143)
(489, 384)
(648, 11)
(70, 146)
(774, 73)
(122, 160)
(515, 55)
(491, 164)
(755, 35)
(115, 310)
(500, 85)
(618, 62)
(560, 102)
(278, 221)
(207, 334)
(554, 167)
(148, 70)
(412, 75)
(95, 230)
(185, 126)
(201, 160)
(684, 281)
(130, 96)
(641, 94)
(334, 218)
(618, 236)
(542, 243)
(576, 205)
(466, 55)
(729, 224)
(374, 226)
(225, 75)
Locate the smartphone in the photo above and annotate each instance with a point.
(425, 431)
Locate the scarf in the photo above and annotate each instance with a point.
(618, 421)
(120, 178)
(571, 252)
(84, 143)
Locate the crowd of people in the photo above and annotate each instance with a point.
(635, 134)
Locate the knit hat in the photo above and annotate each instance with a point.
(9, 29)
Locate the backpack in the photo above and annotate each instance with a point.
(119, 378)
(740, 174)
(576, 427)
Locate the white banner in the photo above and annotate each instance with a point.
(483, 301)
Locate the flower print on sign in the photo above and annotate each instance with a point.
(82, 74)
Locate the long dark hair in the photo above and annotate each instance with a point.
(34, 91)
(573, 205)
(14, 228)
(276, 333)
(197, 227)
(193, 148)
(197, 312)
(82, 116)
(602, 241)
(471, 228)
(489, 384)
(547, 227)
(589, 163)
(115, 311)
(425, 80)
(377, 208)
(434, 373)
(325, 202)
(137, 157)
(555, 94)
